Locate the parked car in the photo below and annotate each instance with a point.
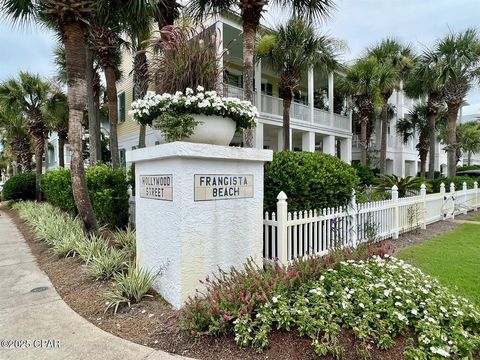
(471, 173)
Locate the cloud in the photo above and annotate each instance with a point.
(28, 48)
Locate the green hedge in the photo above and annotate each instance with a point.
(458, 181)
(310, 180)
(107, 189)
(468, 167)
(19, 187)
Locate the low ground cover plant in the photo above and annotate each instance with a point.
(66, 237)
(377, 298)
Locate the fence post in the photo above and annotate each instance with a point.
(282, 228)
(464, 188)
(423, 194)
(354, 226)
(442, 191)
(475, 203)
(452, 195)
(395, 212)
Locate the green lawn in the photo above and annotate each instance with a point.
(453, 258)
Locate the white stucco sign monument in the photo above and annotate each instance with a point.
(198, 207)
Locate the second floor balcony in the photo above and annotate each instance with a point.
(271, 108)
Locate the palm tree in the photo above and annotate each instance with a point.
(362, 83)
(28, 94)
(70, 18)
(397, 60)
(56, 113)
(457, 58)
(15, 136)
(423, 81)
(251, 12)
(290, 51)
(416, 124)
(407, 186)
(468, 138)
(105, 40)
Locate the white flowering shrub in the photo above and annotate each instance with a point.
(378, 299)
(169, 109)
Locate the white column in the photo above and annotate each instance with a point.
(329, 144)
(346, 150)
(330, 96)
(280, 139)
(258, 85)
(401, 99)
(308, 141)
(219, 44)
(259, 136)
(290, 134)
(311, 92)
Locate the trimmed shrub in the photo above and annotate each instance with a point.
(468, 167)
(365, 174)
(458, 181)
(57, 189)
(107, 189)
(20, 187)
(310, 180)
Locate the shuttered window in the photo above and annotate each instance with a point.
(121, 107)
(123, 160)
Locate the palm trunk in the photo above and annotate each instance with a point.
(61, 151)
(92, 111)
(14, 163)
(423, 159)
(469, 158)
(39, 146)
(97, 89)
(363, 140)
(432, 119)
(287, 102)
(383, 143)
(111, 81)
(249, 33)
(452, 139)
(75, 54)
(46, 155)
(140, 79)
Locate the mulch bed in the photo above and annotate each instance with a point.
(155, 324)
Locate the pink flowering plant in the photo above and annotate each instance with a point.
(172, 113)
(378, 298)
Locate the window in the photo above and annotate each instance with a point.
(267, 89)
(234, 79)
(121, 107)
(157, 142)
(123, 160)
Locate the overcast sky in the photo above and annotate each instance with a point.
(360, 23)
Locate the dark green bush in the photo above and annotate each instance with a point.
(458, 181)
(57, 189)
(107, 189)
(365, 174)
(468, 167)
(310, 180)
(19, 187)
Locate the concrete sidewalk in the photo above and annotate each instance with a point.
(30, 317)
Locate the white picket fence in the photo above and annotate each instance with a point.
(288, 236)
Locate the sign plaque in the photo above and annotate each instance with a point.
(223, 186)
(157, 187)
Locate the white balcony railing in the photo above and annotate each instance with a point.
(272, 106)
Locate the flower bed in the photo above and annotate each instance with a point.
(152, 106)
(377, 299)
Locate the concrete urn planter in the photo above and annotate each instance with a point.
(215, 130)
